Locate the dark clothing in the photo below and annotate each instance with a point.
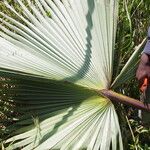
(147, 46)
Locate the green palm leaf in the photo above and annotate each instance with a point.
(128, 71)
(54, 49)
(72, 45)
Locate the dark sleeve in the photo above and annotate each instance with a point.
(147, 46)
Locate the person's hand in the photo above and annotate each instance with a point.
(143, 70)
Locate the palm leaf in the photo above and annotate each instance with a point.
(128, 71)
(64, 50)
(52, 42)
(63, 115)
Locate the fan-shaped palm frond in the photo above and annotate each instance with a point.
(52, 42)
(74, 44)
(62, 116)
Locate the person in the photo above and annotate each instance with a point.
(143, 70)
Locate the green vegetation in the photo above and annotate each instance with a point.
(133, 24)
(134, 20)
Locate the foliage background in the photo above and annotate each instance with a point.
(134, 20)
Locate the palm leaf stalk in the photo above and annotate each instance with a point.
(58, 55)
(125, 100)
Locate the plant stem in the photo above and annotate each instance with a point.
(133, 137)
(124, 99)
